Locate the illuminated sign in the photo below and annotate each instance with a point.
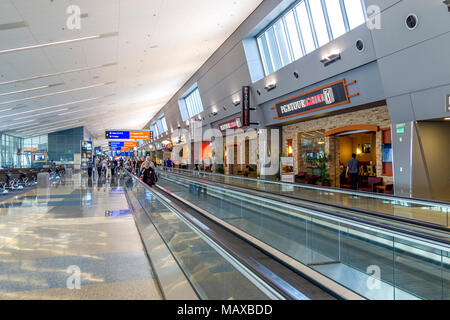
(246, 105)
(447, 103)
(234, 123)
(400, 128)
(126, 135)
(327, 96)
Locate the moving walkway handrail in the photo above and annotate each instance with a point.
(271, 281)
(358, 210)
(397, 231)
(365, 211)
(329, 189)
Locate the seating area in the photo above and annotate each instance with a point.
(15, 180)
(365, 183)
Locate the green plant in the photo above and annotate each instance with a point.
(220, 169)
(322, 164)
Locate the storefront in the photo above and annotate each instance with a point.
(240, 148)
(334, 137)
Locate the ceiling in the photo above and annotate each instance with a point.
(116, 71)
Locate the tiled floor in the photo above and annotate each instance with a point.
(47, 235)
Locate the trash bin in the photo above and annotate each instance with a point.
(43, 180)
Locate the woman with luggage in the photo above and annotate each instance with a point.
(148, 175)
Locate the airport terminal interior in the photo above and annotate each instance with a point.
(225, 150)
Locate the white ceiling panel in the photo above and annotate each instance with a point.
(156, 46)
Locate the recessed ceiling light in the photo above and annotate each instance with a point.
(58, 92)
(50, 107)
(28, 90)
(55, 43)
(59, 73)
(41, 113)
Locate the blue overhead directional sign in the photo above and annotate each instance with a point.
(116, 145)
(117, 134)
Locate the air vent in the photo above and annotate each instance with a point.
(411, 21)
(360, 45)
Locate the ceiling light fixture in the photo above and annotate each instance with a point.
(16, 123)
(48, 44)
(31, 89)
(270, 86)
(447, 2)
(41, 113)
(58, 73)
(332, 57)
(44, 124)
(49, 127)
(50, 107)
(58, 92)
(236, 101)
(69, 126)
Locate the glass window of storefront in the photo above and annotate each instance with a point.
(312, 146)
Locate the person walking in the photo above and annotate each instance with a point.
(113, 168)
(104, 167)
(148, 174)
(99, 168)
(352, 171)
(147, 158)
(108, 169)
(138, 166)
(89, 167)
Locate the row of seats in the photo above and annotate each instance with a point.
(13, 179)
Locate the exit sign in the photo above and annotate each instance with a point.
(401, 128)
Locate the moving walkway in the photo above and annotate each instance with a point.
(195, 259)
(341, 252)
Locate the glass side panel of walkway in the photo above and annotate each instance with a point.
(212, 272)
(350, 253)
(421, 210)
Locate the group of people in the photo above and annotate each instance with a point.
(108, 168)
(104, 167)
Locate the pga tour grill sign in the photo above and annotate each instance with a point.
(330, 95)
(233, 123)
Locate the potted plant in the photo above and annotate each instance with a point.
(220, 169)
(322, 164)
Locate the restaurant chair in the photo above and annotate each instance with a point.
(369, 186)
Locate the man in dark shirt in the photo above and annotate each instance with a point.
(352, 171)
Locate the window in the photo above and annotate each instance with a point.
(293, 35)
(190, 104)
(154, 129)
(335, 16)
(355, 13)
(161, 124)
(306, 26)
(319, 22)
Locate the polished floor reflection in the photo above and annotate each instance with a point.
(79, 226)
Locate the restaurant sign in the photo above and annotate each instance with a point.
(234, 123)
(327, 96)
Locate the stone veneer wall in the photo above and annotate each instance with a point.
(377, 116)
